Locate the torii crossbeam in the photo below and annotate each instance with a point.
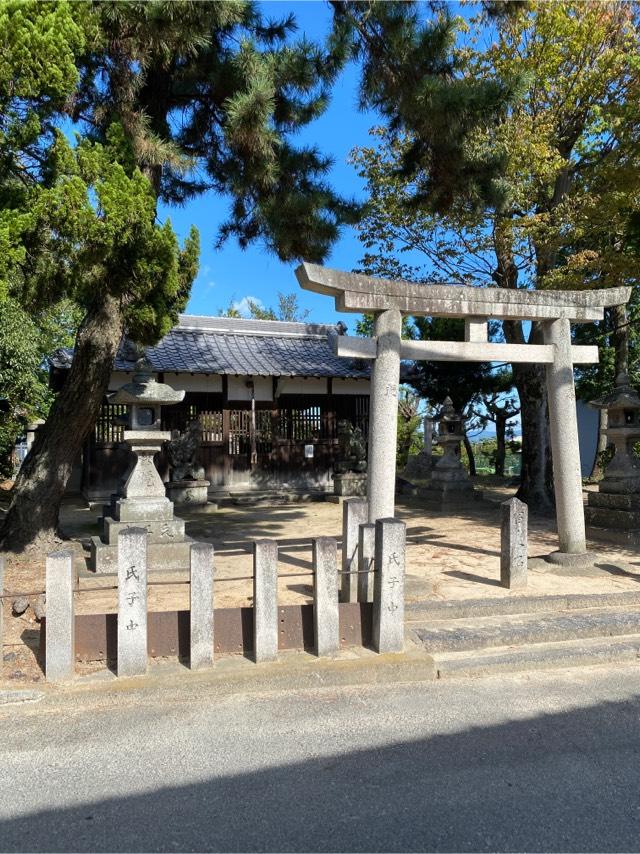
(389, 299)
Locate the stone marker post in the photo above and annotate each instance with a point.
(383, 415)
(132, 602)
(265, 600)
(354, 513)
(388, 598)
(325, 596)
(513, 544)
(201, 610)
(59, 584)
(366, 561)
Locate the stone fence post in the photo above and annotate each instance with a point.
(60, 649)
(2, 564)
(388, 598)
(265, 600)
(132, 602)
(325, 596)
(354, 513)
(201, 606)
(366, 561)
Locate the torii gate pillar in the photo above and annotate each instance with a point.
(565, 452)
(383, 415)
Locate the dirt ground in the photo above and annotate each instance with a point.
(449, 556)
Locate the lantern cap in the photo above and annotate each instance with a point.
(623, 396)
(145, 389)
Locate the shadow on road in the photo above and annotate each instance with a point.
(557, 782)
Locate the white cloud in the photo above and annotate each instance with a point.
(242, 305)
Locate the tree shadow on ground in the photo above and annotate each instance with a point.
(614, 569)
(566, 781)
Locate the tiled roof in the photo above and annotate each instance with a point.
(223, 345)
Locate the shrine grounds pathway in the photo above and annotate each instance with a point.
(454, 555)
(542, 762)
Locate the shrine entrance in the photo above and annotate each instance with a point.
(388, 300)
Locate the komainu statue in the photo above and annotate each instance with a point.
(183, 453)
(352, 448)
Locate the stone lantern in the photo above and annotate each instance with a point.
(142, 501)
(450, 482)
(613, 513)
(145, 397)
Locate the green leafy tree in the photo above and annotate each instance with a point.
(25, 343)
(288, 309)
(569, 133)
(410, 440)
(171, 100)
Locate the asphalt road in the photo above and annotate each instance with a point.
(545, 762)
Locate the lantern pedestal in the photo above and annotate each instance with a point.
(450, 486)
(613, 512)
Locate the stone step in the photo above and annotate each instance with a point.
(543, 656)
(522, 630)
(453, 609)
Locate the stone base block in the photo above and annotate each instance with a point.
(143, 510)
(448, 496)
(604, 517)
(419, 466)
(573, 560)
(615, 501)
(104, 557)
(350, 483)
(169, 531)
(191, 492)
(618, 536)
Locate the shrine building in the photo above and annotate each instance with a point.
(268, 395)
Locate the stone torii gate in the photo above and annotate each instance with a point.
(389, 299)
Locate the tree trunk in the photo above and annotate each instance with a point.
(536, 477)
(501, 452)
(470, 456)
(536, 480)
(597, 470)
(32, 519)
(620, 338)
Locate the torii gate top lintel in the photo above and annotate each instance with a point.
(366, 294)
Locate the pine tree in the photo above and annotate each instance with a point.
(172, 100)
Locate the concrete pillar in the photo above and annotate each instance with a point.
(325, 596)
(132, 602)
(513, 544)
(265, 600)
(366, 561)
(564, 444)
(59, 584)
(388, 597)
(201, 606)
(354, 513)
(383, 416)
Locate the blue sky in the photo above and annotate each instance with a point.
(231, 273)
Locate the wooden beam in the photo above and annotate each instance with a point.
(463, 351)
